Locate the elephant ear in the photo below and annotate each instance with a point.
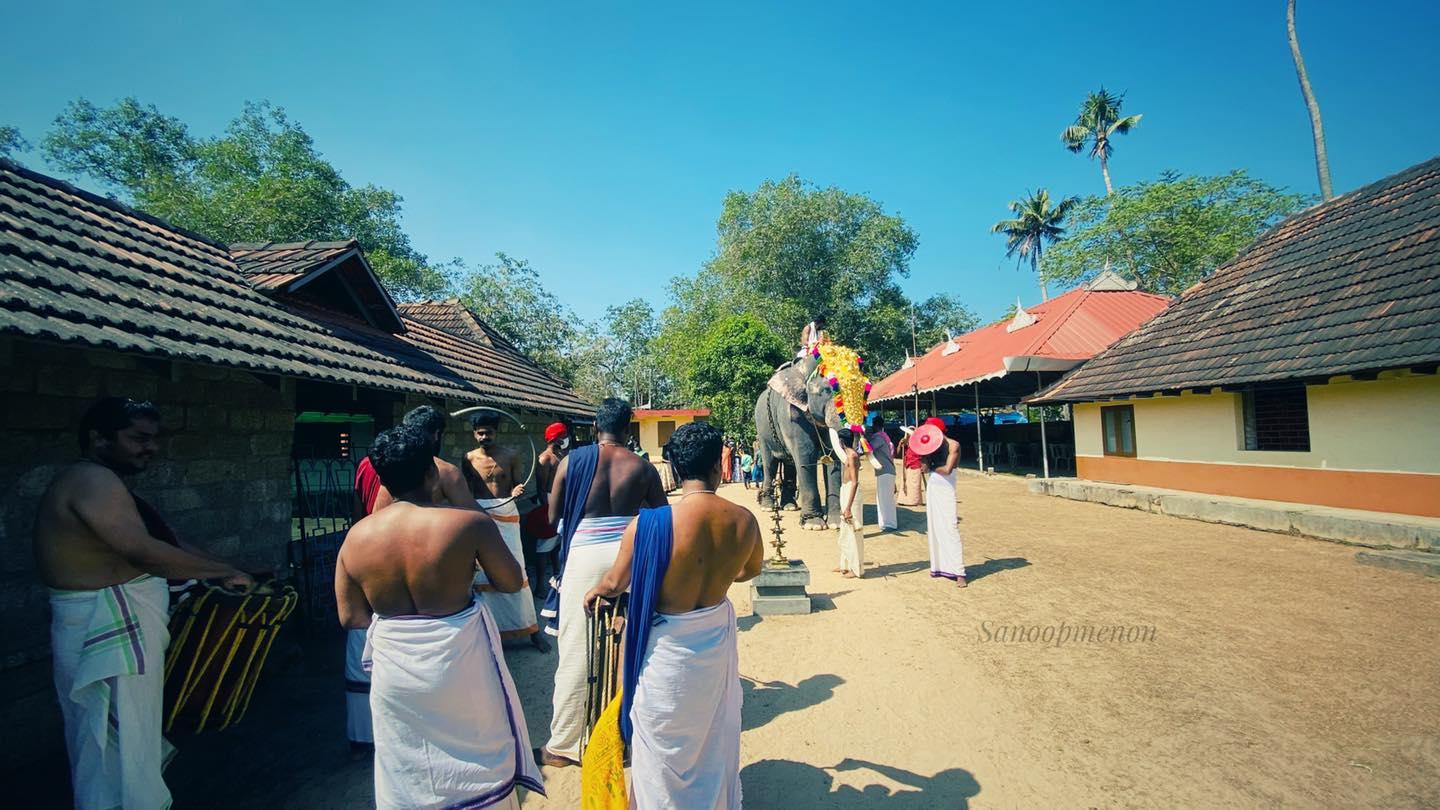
(789, 382)
(832, 415)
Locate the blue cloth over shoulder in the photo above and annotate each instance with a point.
(654, 539)
(579, 475)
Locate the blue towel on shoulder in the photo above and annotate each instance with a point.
(579, 475)
(654, 538)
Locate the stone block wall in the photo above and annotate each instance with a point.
(222, 480)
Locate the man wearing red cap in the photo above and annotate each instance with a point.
(541, 537)
(941, 454)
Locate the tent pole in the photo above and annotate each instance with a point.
(979, 445)
(1044, 448)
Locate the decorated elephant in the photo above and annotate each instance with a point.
(793, 418)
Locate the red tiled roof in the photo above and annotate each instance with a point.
(1072, 327)
(652, 413)
(1349, 286)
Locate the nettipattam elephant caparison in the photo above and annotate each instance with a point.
(793, 418)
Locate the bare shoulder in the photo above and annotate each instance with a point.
(86, 477)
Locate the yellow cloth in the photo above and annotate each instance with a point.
(602, 767)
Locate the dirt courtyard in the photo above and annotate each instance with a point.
(1280, 673)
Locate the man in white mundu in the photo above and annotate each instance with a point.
(598, 490)
(448, 726)
(681, 696)
(495, 474)
(941, 454)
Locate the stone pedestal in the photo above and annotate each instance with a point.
(780, 589)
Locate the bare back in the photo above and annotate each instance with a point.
(717, 543)
(623, 483)
(409, 559)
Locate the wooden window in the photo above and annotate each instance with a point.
(1118, 423)
(667, 428)
(1277, 419)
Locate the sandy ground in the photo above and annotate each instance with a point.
(1279, 673)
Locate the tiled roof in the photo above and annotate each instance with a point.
(457, 319)
(1350, 286)
(77, 268)
(274, 265)
(1070, 327)
(519, 378)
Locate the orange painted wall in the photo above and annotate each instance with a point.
(1405, 493)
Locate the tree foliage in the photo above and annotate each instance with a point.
(509, 296)
(1169, 233)
(1036, 223)
(1096, 126)
(262, 180)
(11, 141)
(733, 360)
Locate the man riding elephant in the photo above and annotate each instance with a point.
(793, 418)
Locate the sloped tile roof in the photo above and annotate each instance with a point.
(1073, 326)
(1349, 286)
(274, 265)
(77, 268)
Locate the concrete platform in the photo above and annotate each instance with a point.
(1379, 530)
(779, 590)
(1424, 563)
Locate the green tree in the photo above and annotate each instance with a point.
(631, 329)
(733, 360)
(509, 296)
(790, 251)
(11, 141)
(1317, 129)
(1170, 233)
(1036, 223)
(261, 180)
(1097, 124)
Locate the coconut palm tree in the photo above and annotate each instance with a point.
(1322, 162)
(1098, 122)
(1036, 223)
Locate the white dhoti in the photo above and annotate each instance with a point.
(109, 660)
(946, 552)
(592, 552)
(685, 751)
(449, 729)
(357, 690)
(514, 612)
(885, 501)
(852, 534)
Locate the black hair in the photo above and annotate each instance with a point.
(111, 415)
(480, 419)
(613, 416)
(819, 319)
(847, 437)
(428, 418)
(693, 450)
(401, 457)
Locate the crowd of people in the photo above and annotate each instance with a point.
(439, 568)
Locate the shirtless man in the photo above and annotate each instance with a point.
(437, 687)
(681, 695)
(450, 485)
(493, 472)
(101, 548)
(610, 484)
(540, 536)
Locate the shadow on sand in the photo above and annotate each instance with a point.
(766, 700)
(995, 566)
(782, 783)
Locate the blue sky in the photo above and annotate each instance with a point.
(598, 139)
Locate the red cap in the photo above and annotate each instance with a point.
(926, 439)
(937, 422)
(555, 431)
